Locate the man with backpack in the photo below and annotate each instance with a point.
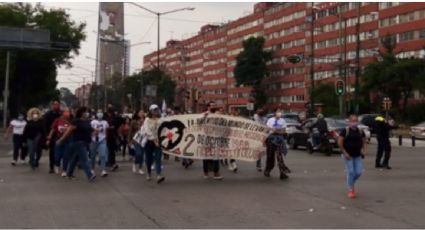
(353, 145)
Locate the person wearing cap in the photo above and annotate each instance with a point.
(48, 120)
(151, 144)
(383, 129)
(275, 145)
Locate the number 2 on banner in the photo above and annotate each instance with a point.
(192, 139)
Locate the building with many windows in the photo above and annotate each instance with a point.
(329, 35)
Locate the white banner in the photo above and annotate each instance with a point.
(197, 136)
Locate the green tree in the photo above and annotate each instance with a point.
(325, 94)
(396, 78)
(33, 73)
(251, 67)
(67, 97)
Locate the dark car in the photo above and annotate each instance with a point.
(369, 121)
(302, 137)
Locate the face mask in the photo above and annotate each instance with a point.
(354, 124)
(278, 114)
(35, 116)
(86, 115)
(99, 116)
(66, 114)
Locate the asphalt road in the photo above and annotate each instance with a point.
(313, 197)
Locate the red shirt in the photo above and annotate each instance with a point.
(60, 126)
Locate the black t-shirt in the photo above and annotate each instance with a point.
(33, 129)
(83, 130)
(353, 142)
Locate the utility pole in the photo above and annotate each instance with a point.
(6, 90)
(357, 83)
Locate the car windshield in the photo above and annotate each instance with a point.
(337, 123)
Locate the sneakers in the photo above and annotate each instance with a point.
(159, 179)
(92, 172)
(234, 166)
(92, 178)
(141, 172)
(103, 173)
(115, 167)
(134, 169)
(13, 163)
(206, 176)
(217, 177)
(351, 194)
(283, 176)
(57, 170)
(63, 174)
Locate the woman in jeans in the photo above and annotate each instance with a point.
(33, 133)
(81, 131)
(59, 127)
(353, 145)
(136, 140)
(152, 147)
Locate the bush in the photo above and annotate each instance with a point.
(415, 113)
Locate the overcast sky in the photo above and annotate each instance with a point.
(140, 26)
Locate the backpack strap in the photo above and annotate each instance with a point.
(347, 131)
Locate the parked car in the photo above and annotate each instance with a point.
(418, 131)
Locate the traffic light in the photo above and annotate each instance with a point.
(339, 87)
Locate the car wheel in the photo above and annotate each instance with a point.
(292, 143)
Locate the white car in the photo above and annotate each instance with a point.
(366, 131)
(418, 131)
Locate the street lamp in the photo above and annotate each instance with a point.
(159, 14)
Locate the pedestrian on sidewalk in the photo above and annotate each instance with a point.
(33, 134)
(112, 137)
(48, 120)
(352, 142)
(17, 127)
(81, 132)
(383, 129)
(59, 127)
(261, 118)
(136, 141)
(276, 146)
(151, 143)
(123, 133)
(215, 164)
(98, 143)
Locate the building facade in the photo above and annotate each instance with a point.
(333, 39)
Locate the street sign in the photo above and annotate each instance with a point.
(250, 106)
(386, 103)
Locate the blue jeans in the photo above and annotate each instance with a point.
(34, 150)
(354, 168)
(102, 148)
(140, 154)
(153, 153)
(62, 153)
(79, 152)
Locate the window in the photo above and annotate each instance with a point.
(406, 36)
(422, 33)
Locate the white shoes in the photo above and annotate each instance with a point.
(141, 172)
(104, 173)
(63, 174)
(57, 170)
(134, 169)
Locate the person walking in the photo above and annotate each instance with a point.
(81, 132)
(215, 164)
(123, 133)
(261, 118)
(383, 129)
(33, 134)
(136, 141)
(17, 127)
(151, 144)
(48, 120)
(276, 146)
(59, 127)
(112, 137)
(352, 142)
(98, 143)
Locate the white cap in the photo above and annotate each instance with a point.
(153, 107)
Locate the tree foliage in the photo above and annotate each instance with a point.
(251, 67)
(396, 78)
(325, 94)
(33, 72)
(67, 97)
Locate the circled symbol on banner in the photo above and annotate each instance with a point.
(170, 134)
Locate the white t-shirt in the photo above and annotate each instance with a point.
(276, 123)
(101, 126)
(18, 126)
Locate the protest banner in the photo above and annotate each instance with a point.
(215, 136)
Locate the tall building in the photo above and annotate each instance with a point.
(331, 34)
(112, 54)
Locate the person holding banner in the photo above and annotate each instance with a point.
(275, 144)
(261, 118)
(215, 163)
(151, 142)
